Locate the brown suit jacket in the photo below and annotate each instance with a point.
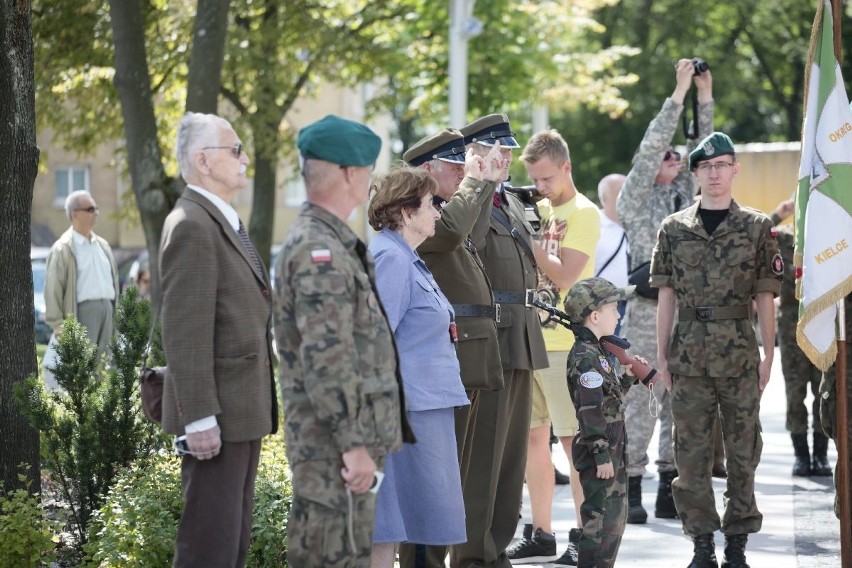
(216, 319)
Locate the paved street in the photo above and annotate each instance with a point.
(799, 527)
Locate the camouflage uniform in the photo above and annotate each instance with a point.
(597, 391)
(713, 358)
(799, 372)
(642, 205)
(339, 385)
(828, 397)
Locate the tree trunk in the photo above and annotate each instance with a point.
(17, 175)
(262, 221)
(205, 62)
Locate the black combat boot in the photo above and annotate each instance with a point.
(735, 551)
(802, 465)
(820, 463)
(636, 514)
(665, 507)
(704, 552)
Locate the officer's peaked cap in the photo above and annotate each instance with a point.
(446, 145)
(488, 129)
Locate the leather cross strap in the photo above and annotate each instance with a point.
(714, 313)
(516, 234)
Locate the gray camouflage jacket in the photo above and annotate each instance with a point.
(642, 204)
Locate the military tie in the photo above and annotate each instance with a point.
(252, 252)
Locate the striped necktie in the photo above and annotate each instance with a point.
(252, 252)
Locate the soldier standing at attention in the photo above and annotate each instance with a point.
(340, 383)
(501, 430)
(799, 372)
(710, 261)
(656, 186)
(597, 390)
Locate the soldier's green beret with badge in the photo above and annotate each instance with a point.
(590, 294)
(339, 141)
(488, 130)
(715, 145)
(446, 145)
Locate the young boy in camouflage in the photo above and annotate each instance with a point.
(597, 390)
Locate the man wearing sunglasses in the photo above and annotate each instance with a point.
(216, 317)
(709, 262)
(81, 278)
(656, 186)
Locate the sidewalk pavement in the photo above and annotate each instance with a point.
(799, 526)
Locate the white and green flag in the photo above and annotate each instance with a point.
(823, 198)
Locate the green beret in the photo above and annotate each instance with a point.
(590, 294)
(489, 128)
(446, 145)
(339, 141)
(715, 145)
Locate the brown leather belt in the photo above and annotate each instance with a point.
(713, 313)
(477, 311)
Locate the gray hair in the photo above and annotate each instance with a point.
(73, 200)
(195, 131)
(611, 183)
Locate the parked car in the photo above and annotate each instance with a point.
(38, 257)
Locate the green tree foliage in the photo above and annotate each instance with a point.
(756, 52)
(92, 427)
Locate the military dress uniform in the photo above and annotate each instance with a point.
(713, 357)
(642, 205)
(597, 390)
(501, 431)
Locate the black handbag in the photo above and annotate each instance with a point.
(639, 277)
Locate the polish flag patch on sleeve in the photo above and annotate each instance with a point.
(319, 256)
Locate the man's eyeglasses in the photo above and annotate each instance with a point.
(671, 155)
(719, 167)
(236, 149)
(91, 209)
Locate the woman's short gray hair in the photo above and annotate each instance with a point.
(195, 131)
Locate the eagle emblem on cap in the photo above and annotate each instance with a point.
(708, 148)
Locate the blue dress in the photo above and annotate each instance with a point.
(420, 500)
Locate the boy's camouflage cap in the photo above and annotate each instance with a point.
(588, 295)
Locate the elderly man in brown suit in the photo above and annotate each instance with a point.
(451, 256)
(216, 317)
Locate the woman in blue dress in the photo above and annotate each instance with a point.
(420, 500)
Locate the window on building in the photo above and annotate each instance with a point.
(295, 191)
(68, 179)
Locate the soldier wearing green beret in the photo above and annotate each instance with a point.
(501, 430)
(656, 186)
(597, 390)
(340, 384)
(710, 261)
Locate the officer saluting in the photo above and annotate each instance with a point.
(709, 262)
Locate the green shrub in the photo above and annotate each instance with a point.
(27, 539)
(137, 524)
(92, 426)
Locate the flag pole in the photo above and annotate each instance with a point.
(842, 408)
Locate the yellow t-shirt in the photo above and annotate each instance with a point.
(576, 225)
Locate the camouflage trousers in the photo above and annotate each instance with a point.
(604, 514)
(640, 328)
(799, 374)
(828, 409)
(318, 533)
(695, 402)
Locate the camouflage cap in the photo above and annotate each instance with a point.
(339, 141)
(715, 145)
(446, 145)
(588, 295)
(489, 128)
